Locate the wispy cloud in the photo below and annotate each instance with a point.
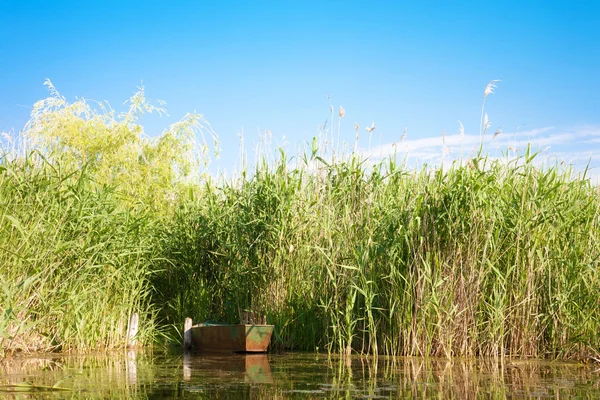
(539, 138)
(578, 146)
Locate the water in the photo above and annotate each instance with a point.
(157, 375)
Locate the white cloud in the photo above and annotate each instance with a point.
(578, 146)
(537, 138)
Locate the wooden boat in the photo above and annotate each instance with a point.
(239, 338)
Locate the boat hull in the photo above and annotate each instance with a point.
(239, 338)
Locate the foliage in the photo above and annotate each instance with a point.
(73, 263)
(97, 221)
(82, 197)
(485, 258)
(115, 149)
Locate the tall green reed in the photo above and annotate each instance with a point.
(484, 258)
(481, 257)
(73, 265)
(82, 199)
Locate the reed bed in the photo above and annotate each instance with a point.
(72, 267)
(481, 257)
(485, 258)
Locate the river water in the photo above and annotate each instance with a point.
(158, 375)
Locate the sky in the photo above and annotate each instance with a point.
(418, 67)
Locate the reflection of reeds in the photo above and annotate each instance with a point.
(91, 376)
(302, 375)
(461, 379)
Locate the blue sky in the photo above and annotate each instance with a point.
(256, 66)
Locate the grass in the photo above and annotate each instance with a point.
(481, 257)
(73, 265)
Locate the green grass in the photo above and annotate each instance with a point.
(483, 257)
(73, 266)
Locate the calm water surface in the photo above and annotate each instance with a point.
(159, 375)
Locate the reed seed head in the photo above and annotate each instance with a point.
(489, 89)
(486, 123)
(6, 136)
(371, 128)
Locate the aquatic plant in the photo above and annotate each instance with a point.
(80, 199)
(483, 256)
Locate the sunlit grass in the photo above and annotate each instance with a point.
(480, 257)
(73, 265)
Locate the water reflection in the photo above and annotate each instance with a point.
(251, 368)
(161, 375)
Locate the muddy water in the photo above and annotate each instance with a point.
(157, 375)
